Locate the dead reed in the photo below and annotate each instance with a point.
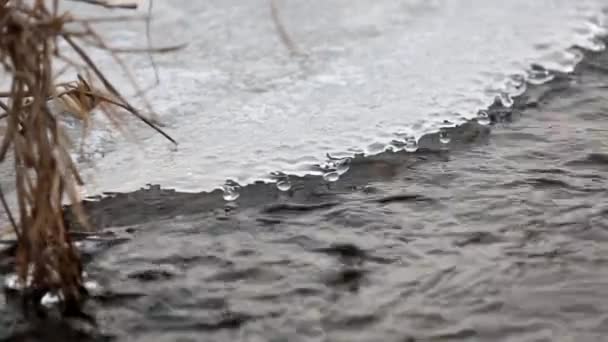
(34, 35)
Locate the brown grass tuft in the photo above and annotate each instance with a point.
(30, 32)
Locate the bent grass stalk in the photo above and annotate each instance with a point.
(45, 174)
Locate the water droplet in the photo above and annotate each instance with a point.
(335, 167)
(92, 287)
(231, 195)
(283, 184)
(596, 45)
(411, 145)
(12, 282)
(50, 299)
(518, 79)
(230, 190)
(282, 180)
(448, 123)
(343, 166)
(573, 56)
(505, 99)
(539, 75)
(444, 137)
(90, 245)
(516, 85)
(332, 176)
(398, 145)
(483, 118)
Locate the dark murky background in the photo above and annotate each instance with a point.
(501, 237)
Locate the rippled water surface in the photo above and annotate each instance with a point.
(241, 106)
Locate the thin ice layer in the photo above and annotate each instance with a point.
(242, 107)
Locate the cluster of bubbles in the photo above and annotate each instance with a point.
(50, 299)
(230, 189)
(333, 168)
(515, 86)
(405, 142)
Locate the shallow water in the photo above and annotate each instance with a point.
(499, 236)
(242, 107)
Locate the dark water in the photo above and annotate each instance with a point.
(503, 236)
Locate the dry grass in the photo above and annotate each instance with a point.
(281, 30)
(30, 33)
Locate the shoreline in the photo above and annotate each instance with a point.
(114, 209)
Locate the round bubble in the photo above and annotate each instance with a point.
(230, 191)
(283, 185)
(483, 118)
(332, 176)
(505, 99)
(411, 145)
(50, 299)
(539, 75)
(343, 166)
(444, 137)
